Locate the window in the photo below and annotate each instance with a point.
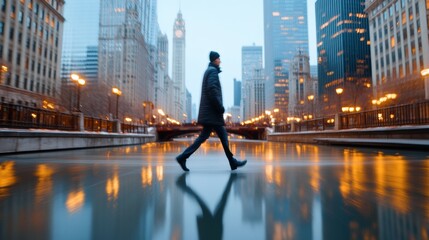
(17, 80)
(11, 33)
(410, 13)
(1, 28)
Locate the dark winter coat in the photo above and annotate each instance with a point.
(211, 105)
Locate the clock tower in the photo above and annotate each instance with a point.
(179, 47)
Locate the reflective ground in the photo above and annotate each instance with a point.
(286, 191)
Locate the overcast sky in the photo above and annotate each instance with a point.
(223, 26)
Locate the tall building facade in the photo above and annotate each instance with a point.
(257, 94)
(285, 32)
(188, 117)
(79, 50)
(237, 92)
(251, 60)
(31, 33)
(179, 47)
(343, 54)
(301, 87)
(124, 60)
(399, 47)
(161, 96)
(150, 27)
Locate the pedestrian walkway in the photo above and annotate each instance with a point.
(380, 143)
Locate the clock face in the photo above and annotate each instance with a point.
(179, 33)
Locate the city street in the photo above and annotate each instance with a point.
(286, 191)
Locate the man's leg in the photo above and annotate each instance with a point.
(223, 136)
(181, 159)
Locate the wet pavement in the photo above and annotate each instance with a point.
(286, 191)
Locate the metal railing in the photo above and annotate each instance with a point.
(17, 116)
(408, 114)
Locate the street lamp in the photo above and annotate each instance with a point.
(339, 92)
(311, 99)
(425, 75)
(118, 93)
(80, 82)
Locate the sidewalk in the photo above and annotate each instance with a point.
(420, 144)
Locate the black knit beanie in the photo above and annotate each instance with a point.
(213, 56)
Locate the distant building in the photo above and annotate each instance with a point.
(188, 117)
(79, 51)
(399, 48)
(179, 63)
(31, 35)
(285, 32)
(257, 94)
(235, 114)
(251, 58)
(124, 57)
(237, 92)
(161, 95)
(301, 87)
(313, 71)
(343, 54)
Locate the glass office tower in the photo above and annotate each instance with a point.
(343, 54)
(286, 32)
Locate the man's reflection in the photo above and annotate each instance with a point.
(210, 226)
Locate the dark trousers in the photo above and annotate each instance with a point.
(204, 135)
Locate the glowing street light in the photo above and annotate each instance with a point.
(118, 93)
(425, 75)
(339, 91)
(311, 99)
(80, 82)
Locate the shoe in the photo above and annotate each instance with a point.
(234, 163)
(182, 163)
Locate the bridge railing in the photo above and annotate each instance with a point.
(410, 114)
(15, 116)
(407, 114)
(24, 117)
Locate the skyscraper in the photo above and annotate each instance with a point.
(179, 47)
(399, 48)
(251, 60)
(237, 92)
(300, 85)
(124, 60)
(150, 28)
(161, 96)
(78, 50)
(343, 54)
(31, 34)
(285, 32)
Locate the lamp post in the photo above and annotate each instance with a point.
(339, 91)
(311, 99)
(118, 93)
(425, 75)
(80, 82)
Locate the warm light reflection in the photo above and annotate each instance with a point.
(112, 187)
(160, 173)
(353, 177)
(147, 176)
(315, 170)
(44, 181)
(75, 200)
(269, 173)
(7, 177)
(390, 174)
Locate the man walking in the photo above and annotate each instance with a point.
(211, 115)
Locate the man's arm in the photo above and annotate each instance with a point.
(215, 91)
